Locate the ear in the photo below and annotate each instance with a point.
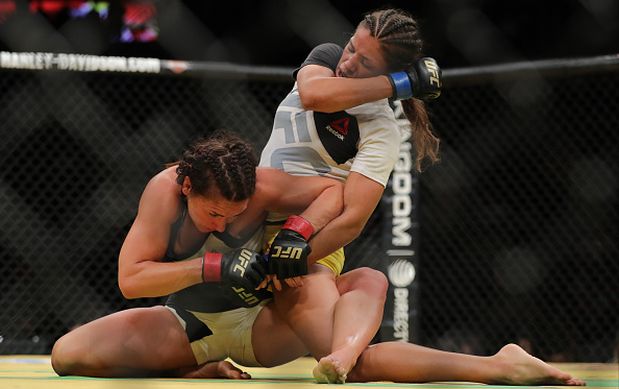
(186, 187)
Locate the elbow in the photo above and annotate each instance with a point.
(308, 99)
(127, 288)
(312, 100)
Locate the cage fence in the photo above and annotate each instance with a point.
(517, 223)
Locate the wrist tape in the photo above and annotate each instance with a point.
(401, 84)
(300, 225)
(211, 267)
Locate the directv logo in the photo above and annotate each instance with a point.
(401, 273)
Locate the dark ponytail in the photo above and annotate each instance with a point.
(425, 142)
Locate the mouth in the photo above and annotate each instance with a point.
(204, 230)
(339, 73)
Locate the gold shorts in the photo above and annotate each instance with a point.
(334, 261)
(230, 338)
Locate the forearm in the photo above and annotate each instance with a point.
(326, 207)
(332, 94)
(155, 279)
(338, 233)
(347, 226)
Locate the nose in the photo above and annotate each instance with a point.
(350, 65)
(220, 226)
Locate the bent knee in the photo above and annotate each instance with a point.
(367, 279)
(60, 358)
(376, 281)
(66, 356)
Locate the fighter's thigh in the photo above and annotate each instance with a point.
(273, 341)
(318, 292)
(150, 338)
(309, 309)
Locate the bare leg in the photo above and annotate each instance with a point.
(405, 362)
(273, 341)
(357, 317)
(309, 309)
(133, 343)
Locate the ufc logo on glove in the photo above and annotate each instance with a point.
(286, 253)
(433, 69)
(247, 297)
(243, 260)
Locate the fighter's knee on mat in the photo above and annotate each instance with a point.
(64, 357)
(69, 356)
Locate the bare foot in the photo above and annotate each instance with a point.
(329, 371)
(218, 369)
(524, 369)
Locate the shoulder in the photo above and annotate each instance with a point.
(163, 183)
(328, 50)
(161, 195)
(327, 55)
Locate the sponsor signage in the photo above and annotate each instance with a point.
(399, 241)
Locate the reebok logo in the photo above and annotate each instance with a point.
(340, 125)
(335, 133)
(339, 128)
(339, 134)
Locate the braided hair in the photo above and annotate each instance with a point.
(223, 161)
(401, 44)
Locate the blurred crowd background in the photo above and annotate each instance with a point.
(281, 32)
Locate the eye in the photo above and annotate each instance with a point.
(350, 47)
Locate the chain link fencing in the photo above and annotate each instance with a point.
(517, 224)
